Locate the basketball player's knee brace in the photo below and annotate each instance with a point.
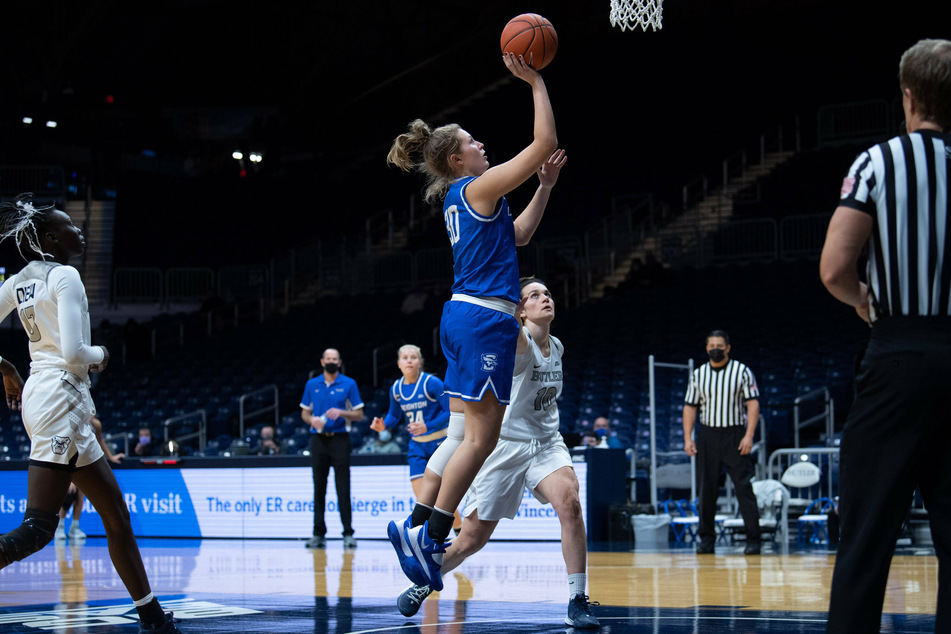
(32, 535)
(456, 431)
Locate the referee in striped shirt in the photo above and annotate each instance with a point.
(897, 436)
(719, 389)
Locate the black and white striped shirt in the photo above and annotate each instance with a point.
(721, 392)
(903, 185)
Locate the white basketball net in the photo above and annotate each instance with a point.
(628, 14)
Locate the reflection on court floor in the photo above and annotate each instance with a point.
(279, 586)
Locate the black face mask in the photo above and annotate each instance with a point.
(331, 368)
(716, 355)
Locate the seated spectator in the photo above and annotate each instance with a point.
(603, 429)
(384, 443)
(144, 448)
(267, 443)
(590, 439)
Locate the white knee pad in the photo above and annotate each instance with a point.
(457, 426)
(454, 435)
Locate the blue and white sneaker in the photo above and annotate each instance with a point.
(397, 537)
(427, 554)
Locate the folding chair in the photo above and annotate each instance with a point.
(815, 521)
(772, 499)
(684, 523)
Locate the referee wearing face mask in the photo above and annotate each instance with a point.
(724, 437)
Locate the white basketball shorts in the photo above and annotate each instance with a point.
(513, 466)
(57, 414)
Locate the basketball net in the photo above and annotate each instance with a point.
(628, 14)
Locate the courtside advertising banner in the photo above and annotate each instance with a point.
(267, 502)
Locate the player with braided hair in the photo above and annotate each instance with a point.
(57, 408)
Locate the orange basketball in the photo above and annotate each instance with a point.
(531, 36)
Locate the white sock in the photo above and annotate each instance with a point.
(576, 584)
(144, 600)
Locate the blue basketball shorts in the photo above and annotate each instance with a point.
(479, 345)
(419, 454)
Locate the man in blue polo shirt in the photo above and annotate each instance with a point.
(331, 402)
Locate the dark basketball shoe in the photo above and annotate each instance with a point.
(579, 613)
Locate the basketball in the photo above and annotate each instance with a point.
(531, 36)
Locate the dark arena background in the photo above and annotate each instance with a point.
(227, 165)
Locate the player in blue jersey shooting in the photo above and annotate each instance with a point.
(478, 329)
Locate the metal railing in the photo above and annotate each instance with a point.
(803, 235)
(124, 437)
(827, 415)
(651, 366)
(611, 238)
(577, 262)
(854, 122)
(747, 240)
(826, 458)
(272, 406)
(175, 421)
(137, 284)
(188, 284)
(45, 181)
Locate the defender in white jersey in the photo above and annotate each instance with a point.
(50, 299)
(530, 453)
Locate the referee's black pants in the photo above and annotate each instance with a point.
(716, 447)
(326, 451)
(897, 437)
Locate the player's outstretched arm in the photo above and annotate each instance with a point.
(527, 221)
(497, 181)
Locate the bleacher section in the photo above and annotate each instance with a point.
(784, 326)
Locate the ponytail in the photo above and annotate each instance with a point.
(436, 147)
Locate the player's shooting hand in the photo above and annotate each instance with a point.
(519, 67)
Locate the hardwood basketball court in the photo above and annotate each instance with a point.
(279, 586)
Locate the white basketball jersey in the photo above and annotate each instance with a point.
(51, 302)
(533, 411)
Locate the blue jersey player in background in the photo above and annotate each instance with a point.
(478, 329)
(419, 399)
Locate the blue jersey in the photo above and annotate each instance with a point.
(319, 397)
(483, 247)
(420, 402)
